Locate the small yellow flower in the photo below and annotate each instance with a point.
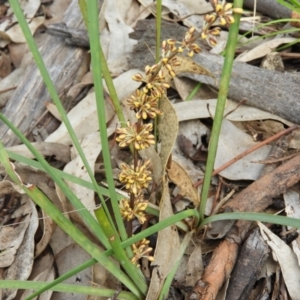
(141, 249)
(135, 179)
(214, 31)
(157, 86)
(229, 19)
(210, 18)
(227, 6)
(212, 41)
(218, 8)
(137, 77)
(222, 20)
(237, 10)
(139, 135)
(207, 33)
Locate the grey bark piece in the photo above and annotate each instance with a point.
(250, 262)
(272, 91)
(73, 37)
(270, 8)
(63, 62)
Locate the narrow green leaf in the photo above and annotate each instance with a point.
(144, 234)
(115, 242)
(49, 84)
(65, 288)
(262, 217)
(93, 30)
(222, 97)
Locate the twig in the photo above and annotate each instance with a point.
(252, 149)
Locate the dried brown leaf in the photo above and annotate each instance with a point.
(21, 268)
(179, 176)
(286, 258)
(187, 65)
(48, 228)
(167, 248)
(42, 270)
(91, 147)
(69, 258)
(156, 165)
(59, 151)
(5, 64)
(168, 130)
(15, 33)
(83, 118)
(195, 266)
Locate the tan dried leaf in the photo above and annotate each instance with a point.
(48, 228)
(168, 130)
(195, 266)
(187, 65)
(21, 268)
(68, 258)
(91, 147)
(15, 33)
(60, 151)
(180, 177)
(167, 249)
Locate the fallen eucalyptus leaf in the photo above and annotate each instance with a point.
(180, 177)
(286, 258)
(168, 129)
(167, 248)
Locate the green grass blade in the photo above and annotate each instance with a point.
(111, 89)
(292, 4)
(63, 175)
(134, 273)
(222, 96)
(62, 278)
(158, 30)
(83, 9)
(49, 84)
(262, 217)
(194, 91)
(66, 176)
(86, 216)
(41, 200)
(144, 234)
(289, 30)
(93, 30)
(65, 288)
(105, 71)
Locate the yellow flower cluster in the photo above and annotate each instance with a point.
(223, 13)
(188, 42)
(138, 135)
(135, 178)
(138, 211)
(145, 106)
(141, 249)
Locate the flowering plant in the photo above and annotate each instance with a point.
(145, 103)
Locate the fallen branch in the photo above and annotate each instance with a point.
(268, 90)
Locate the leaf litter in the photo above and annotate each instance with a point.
(182, 167)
